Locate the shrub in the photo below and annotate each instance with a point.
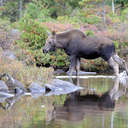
(36, 11)
(10, 10)
(80, 17)
(32, 40)
(89, 33)
(92, 19)
(124, 15)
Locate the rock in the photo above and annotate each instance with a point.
(123, 74)
(11, 101)
(9, 54)
(13, 83)
(82, 73)
(3, 86)
(59, 87)
(15, 34)
(123, 77)
(59, 71)
(4, 96)
(14, 31)
(36, 90)
(19, 91)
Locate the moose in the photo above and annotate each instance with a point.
(78, 45)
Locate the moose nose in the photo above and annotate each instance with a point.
(44, 51)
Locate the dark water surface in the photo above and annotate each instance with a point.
(102, 104)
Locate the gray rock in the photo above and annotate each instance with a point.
(12, 83)
(59, 87)
(36, 90)
(19, 91)
(82, 73)
(59, 71)
(9, 54)
(123, 77)
(11, 101)
(4, 96)
(14, 31)
(3, 86)
(14, 34)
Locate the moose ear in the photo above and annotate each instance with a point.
(53, 33)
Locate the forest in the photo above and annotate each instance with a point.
(35, 18)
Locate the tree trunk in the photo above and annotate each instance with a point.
(1, 2)
(104, 18)
(20, 8)
(113, 7)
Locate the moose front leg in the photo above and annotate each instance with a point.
(77, 66)
(73, 61)
(77, 70)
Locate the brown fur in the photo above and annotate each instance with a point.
(77, 45)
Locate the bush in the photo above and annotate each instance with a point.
(89, 33)
(124, 15)
(10, 10)
(36, 11)
(32, 40)
(80, 17)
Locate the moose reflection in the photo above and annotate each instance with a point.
(76, 106)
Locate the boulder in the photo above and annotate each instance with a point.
(36, 89)
(4, 96)
(3, 86)
(59, 87)
(9, 54)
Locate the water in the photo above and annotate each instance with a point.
(102, 104)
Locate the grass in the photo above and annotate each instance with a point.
(23, 73)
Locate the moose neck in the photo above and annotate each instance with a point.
(61, 41)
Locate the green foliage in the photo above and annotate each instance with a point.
(53, 8)
(10, 10)
(37, 11)
(79, 18)
(92, 19)
(89, 33)
(116, 43)
(32, 41)
(124, 14)
(67, 19)
(87, 2)
(121, 1)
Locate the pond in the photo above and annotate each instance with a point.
(101, 104)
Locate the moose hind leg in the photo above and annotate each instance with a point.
(120, 61)
(114, 65)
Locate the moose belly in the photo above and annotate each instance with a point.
(89, 55)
